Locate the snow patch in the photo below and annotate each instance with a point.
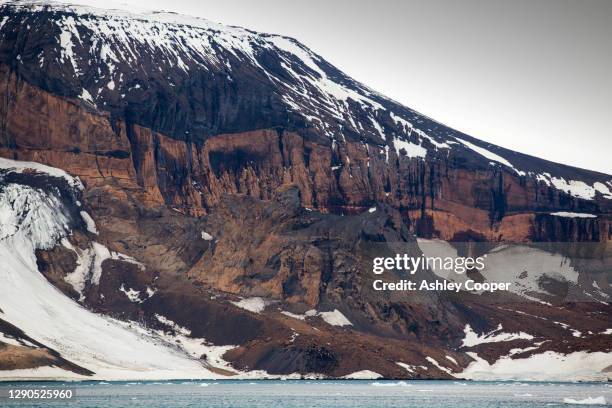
(254, 304)
(436, 364)
(177, 328)
(132, 294)
(410, 129)
(151, 292)
(573, 214)
(335, 318)
(89, 223)
(452, 360)
(28, 214)
(9, 340)
(407, 367)
(489, 155)
(472, 339)
(86, 96)
(603, 189)
(576, 188)
(89, 264)
(547, 366)
(293, 315)
(27, 166)
(363, 375)
(412, 149)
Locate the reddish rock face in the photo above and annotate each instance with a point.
(441, 197)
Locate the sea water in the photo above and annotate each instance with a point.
(298, 394)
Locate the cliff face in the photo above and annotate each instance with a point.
(189, 110)
(221, 165)
(442, 197)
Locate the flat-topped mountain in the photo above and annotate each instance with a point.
(221, 191)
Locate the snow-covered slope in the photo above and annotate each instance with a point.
(30, 219)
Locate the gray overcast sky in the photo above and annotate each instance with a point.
(532, 76)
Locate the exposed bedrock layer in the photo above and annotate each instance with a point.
(297, 260)
(445, 196)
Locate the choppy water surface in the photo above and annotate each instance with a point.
(298, 394)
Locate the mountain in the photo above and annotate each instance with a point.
(213, 196)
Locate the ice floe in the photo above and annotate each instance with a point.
(586, 401)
